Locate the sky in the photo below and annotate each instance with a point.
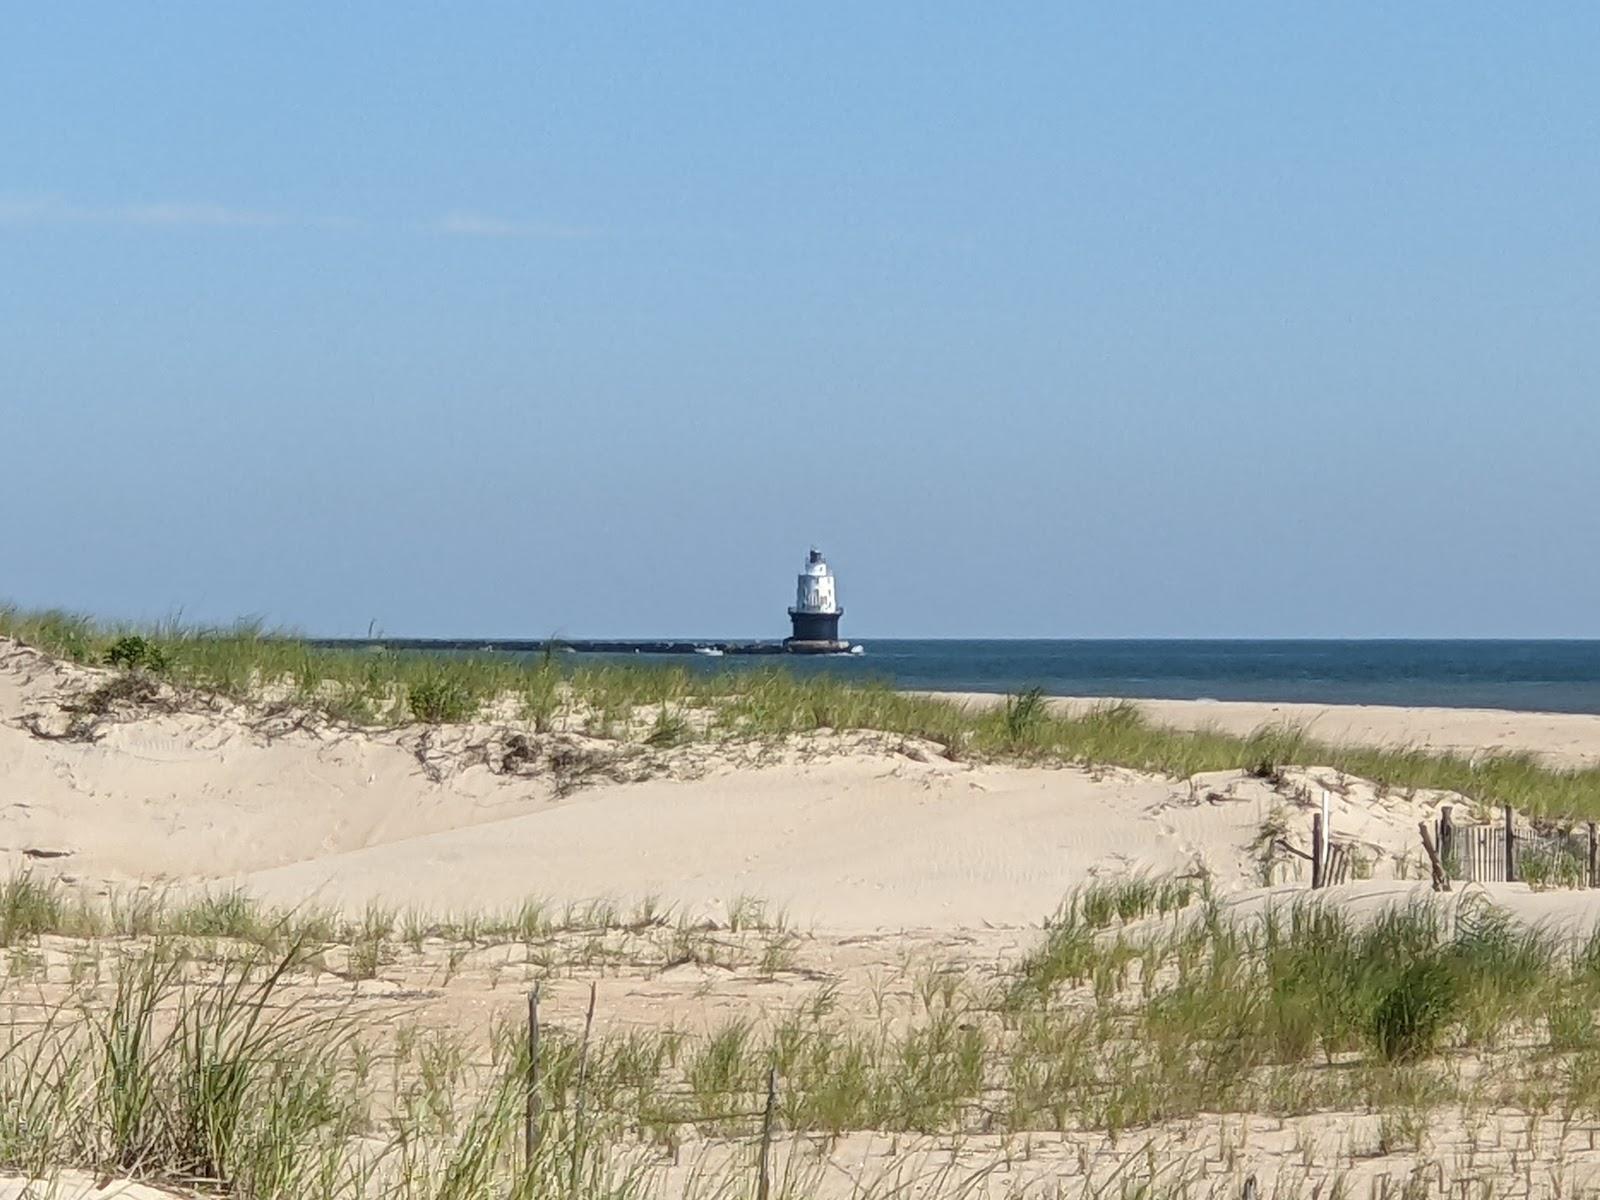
(1041, 320)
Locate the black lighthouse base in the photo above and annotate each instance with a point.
(815, 633)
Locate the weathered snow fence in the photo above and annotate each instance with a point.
(1555, 854)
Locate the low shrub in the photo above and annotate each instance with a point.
(441, 699)
(132, 652)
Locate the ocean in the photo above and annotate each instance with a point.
(1551, 676)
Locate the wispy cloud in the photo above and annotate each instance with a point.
(51, 211)
(31, 210)
(196, 214)
(469, 224)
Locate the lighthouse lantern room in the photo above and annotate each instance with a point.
(816, 610)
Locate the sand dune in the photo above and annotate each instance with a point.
(859, 842)
(844, 831)
(895, 865)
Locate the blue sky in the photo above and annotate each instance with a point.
(1042, 320)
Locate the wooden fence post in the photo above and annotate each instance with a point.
(577, 1103)
(1511, 844)
(530, 1114)
(764, 1181)
(1594, 856)
(1447, 836)
(1318, 859)
(1441, 881)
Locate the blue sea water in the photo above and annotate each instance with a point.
(1551, 676)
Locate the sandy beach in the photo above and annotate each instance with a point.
(890, 862)
(844, 831)
(1559, 739)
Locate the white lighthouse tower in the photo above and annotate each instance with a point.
(816, 610)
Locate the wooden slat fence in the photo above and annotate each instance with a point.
(1551, 856)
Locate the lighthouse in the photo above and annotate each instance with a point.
(816, 610)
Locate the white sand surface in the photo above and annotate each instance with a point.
(77, 1185)
(844, 832)
(856, 842)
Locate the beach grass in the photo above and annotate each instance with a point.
(667, 705)
(1145, 1003)
(222, 1084)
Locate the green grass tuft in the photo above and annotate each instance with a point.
(443, 697)
(28, 908)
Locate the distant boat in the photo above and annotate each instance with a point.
(708, 651)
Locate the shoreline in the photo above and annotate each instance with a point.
(1556, 739)
(923, 666)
